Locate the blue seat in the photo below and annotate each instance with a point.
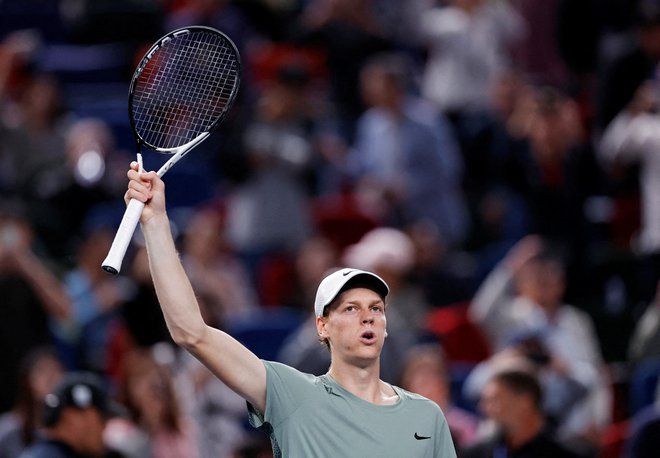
(264, 331)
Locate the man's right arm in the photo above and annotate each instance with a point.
(239, 368)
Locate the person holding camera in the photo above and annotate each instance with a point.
(520, 308)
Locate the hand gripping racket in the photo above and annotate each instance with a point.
(180, 92)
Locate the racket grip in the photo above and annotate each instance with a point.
(123, 237)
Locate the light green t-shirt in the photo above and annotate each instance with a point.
(314, 417)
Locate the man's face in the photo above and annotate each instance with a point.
(542, 282)
(92, 426)
(499, 404)
(355, 326)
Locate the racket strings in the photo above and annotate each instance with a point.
(184, 88)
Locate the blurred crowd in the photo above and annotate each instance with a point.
(497, 162)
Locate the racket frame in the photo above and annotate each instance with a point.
(131, 218)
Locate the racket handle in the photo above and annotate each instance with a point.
(123, 237)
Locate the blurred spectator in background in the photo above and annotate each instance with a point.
(78, 186)
(31, 297)
(444, 276)
(348, 32)
(268, 213)
(523, 296)
(469, 42)
(301, 349)
(629, 66)
(216, 272)
(40, 371)
(157, 425)
(556, 175)
(565, 395)
(74, 417)
(218, 414)
(95, 299)
(390, 254)
(405, 159)
(632, 138)
(33, 141)
(223, 15)
(141, 318)
(512, 401)
(425, 372)
(312, 260)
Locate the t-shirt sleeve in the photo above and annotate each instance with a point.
(286, 390)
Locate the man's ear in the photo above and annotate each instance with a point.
(320, 326)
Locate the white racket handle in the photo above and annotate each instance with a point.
(123, 237)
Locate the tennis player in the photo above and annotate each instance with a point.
(348, 412)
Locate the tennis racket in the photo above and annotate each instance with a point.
(180, 92)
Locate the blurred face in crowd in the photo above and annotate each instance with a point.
(425, 374)
(542, 281)
(502, 405)
(379, 88)
(82, 429)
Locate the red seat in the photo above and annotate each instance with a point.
(461, 339)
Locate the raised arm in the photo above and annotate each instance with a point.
(230, 361)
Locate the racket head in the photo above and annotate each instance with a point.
(183, 87)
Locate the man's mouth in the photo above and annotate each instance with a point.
(368, 337)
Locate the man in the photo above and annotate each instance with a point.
(74, 417)
(512, 401)
(347, 412)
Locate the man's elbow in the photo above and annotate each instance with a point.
(189, 339)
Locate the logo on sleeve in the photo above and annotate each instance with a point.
(421, 438)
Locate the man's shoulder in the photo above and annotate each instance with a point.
(419, 401)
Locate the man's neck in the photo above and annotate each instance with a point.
(524, 432)
(363, 382)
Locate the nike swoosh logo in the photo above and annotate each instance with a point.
(346, 273)
(421, 438)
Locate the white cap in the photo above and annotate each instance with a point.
(331, 285)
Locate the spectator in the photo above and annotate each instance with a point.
(268, 213)
(559, 174)
(94, 301)
(75, 416)
(629, 66)
(512, 400)
(31, 294)
(405, 158)
(218, 274)
(78, 187)
(348, 32)
(632, 138)
(38, 375)
(157, 425)
(523, 296)
(217, 413)
(469, 43)
(565, 395)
